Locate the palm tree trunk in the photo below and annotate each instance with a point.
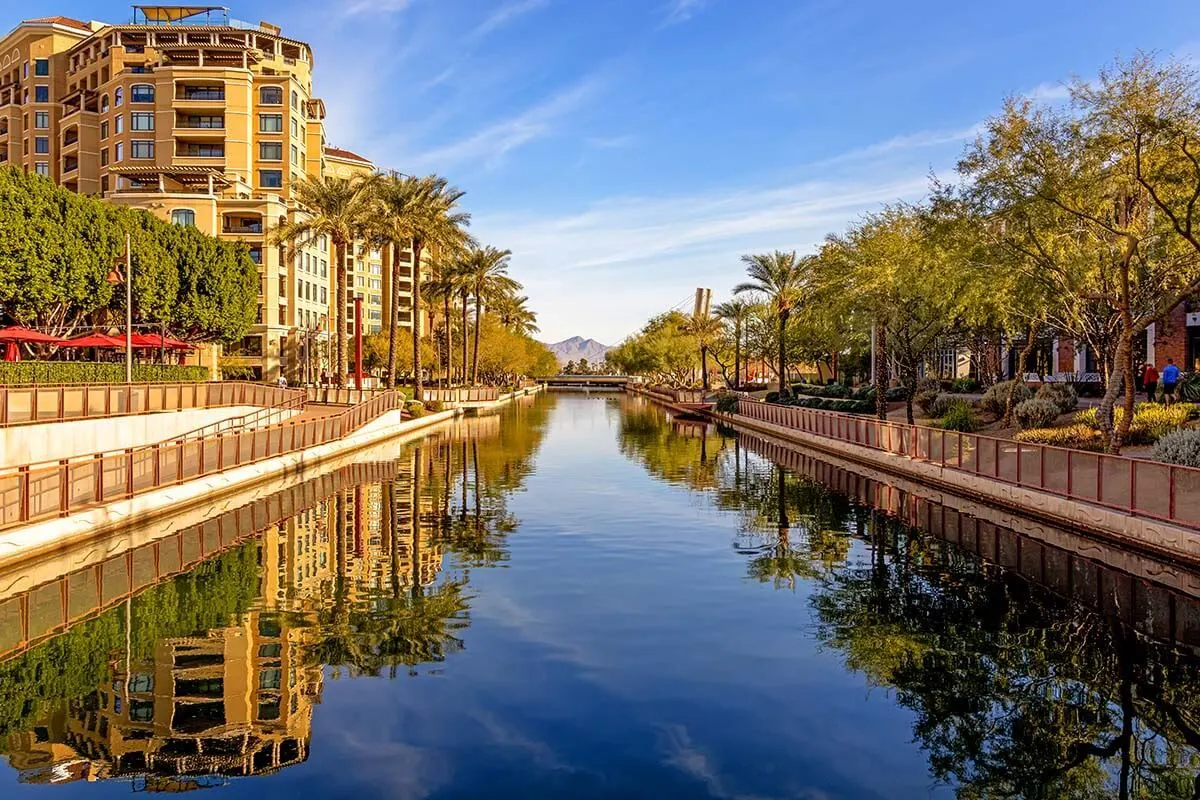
(416, 517)
(704, 368)
(737, 354)
(339, 311)
(391, 384)
(416, 318)
(449, 341)
(464, 336)
(784, 389)
(475, 350)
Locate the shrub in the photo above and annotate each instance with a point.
(1061, 394)
(1035, 413)
(19, 372)
(1151, 421)
(772, 397)
(961, 417)
(964, 386)
(1189, 388)
(1179, 447)
(996, 398)
(864, 392)
(896, 394)
(434, 406)
(837, 390)
(414, 408)
(727, 403)
(1079, 437)
(925, 399)
(942, 405)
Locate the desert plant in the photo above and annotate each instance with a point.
(995, 399)
(1179, 447)
(1189, 388)
(1079, 437)
(1061, 394)
(960, 416)
(1036, 413)
(1150, 420)
(964, 386)
(925, 399)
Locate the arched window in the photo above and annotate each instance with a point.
(270, 96)
(118, 96)
(141, 93)
(184, 216)
(104, 102)
(295, 99)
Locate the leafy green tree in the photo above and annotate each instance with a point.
(486, 272)
(782, 279)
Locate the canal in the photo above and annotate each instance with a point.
(581, 597)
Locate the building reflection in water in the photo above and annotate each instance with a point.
(200, 656)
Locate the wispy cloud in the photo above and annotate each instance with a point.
(1050, 91)
(504, 15)
(492, 143)
(682, 10)
(908, 141)
(374, 6)
(610, 142)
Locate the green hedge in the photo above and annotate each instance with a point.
(21, 372)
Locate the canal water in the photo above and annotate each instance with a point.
(582, 597)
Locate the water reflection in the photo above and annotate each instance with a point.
(1032, 671)
(200, 656)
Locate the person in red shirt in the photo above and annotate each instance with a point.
(1150, 381)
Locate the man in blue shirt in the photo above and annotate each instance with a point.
(1170, 377)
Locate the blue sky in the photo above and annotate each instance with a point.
(628, 151)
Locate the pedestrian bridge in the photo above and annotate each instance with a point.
(586, 381)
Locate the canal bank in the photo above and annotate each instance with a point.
(206, 492)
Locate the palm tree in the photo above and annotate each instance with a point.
(420, 214)
(514, 313)
(706, 330)
(737, 312)
(337, 208)
(781, 277)
(485, 270)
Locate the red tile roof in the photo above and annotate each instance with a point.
(70, 23)
(337, 152)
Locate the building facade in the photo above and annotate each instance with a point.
(203, 121)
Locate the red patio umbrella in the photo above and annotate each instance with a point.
(101, 340)
(158, 340)
(16, 333)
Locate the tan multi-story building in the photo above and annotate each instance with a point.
(203, 121)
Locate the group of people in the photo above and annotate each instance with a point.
(1169, 379)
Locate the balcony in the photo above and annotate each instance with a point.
(199, 150)
(70, 164)
(242, 225)
(71, 136)
(200, 127)
(200, 93)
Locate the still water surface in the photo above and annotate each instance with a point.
(593, 600)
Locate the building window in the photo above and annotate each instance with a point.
(270, 96)
(25, 70)
(201, 150)
(324, 268)
(141, 93)
(41, 144)
(295, 99)
(270, 178)
(141, 121)
(324, 295)
(41, 120)
(141, 148)
(283, 315)
(118, 96)
(119, 122)
(104, 157)
(41, 94)
(42, 168)
(104, 129)
(295, 127)
(295, 155)
(119, 152)
(104, 102)
(41, 67)
(270, 151)
(184, 216)
(270, 123)
(256, 254)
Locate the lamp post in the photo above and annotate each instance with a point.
(115, 277)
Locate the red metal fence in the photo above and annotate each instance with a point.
(1144, 488)
(42, 491)
(23, 405)
(476, 394)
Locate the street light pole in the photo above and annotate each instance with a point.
(128, 312)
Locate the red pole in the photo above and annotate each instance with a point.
(358, 373)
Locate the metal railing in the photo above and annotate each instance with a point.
(1135, 486)
(333, 395)
(673, 395)
(35, 492)
(25, 405)
(476, 394)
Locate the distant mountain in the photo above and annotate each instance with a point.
(576, 348)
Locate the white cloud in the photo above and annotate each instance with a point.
(908, 141)
(1047, 92)
(682, 10)
(375, 6)
(504, 15)
(491, 143)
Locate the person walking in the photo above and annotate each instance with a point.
(1170, 377)
(1150, 381)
